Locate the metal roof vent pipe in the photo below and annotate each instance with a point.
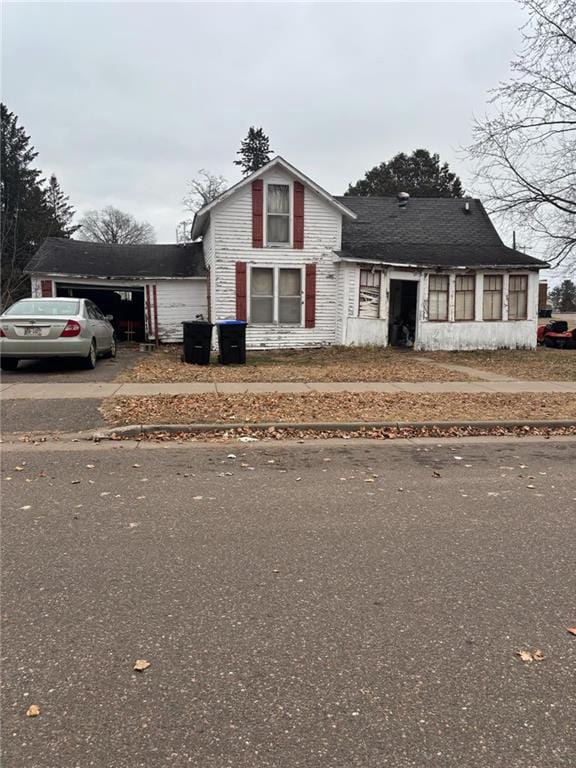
(402, 198)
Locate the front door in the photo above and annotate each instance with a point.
(403, 304)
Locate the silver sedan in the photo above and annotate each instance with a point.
(38, 328)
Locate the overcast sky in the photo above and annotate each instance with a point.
(126, 101)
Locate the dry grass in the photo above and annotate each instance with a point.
(542, 364)
(328, 364)
(332, 407)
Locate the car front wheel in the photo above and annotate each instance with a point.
(9, 363)
(90, 359)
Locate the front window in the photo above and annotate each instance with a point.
(369, 302)
(492, 297)
(262, 296)
(464, 300)
(275, 296)
(518, 297)
(278, 214)
(438, 287)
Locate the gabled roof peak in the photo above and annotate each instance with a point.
(278, 160)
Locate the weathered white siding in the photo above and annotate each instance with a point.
(232, 227)
(480, 334)
(179, 300)
(448, 335)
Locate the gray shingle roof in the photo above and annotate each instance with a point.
(75, 257)
(427, 232)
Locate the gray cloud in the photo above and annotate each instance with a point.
(126, 101)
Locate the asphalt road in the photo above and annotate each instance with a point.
(301, 605)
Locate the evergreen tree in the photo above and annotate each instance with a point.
(25, 216)
(60, 208)
(254, 151)
(563, 297)
(420, 174)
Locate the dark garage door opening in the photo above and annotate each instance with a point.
(126, 305)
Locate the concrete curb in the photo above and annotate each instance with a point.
(134, 430)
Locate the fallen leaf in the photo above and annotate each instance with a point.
(26, 507)
(538, 655)
(572, 630)
(32, 711)
(135, 466)
(90, 466)
(141, 664)
(524, 656)
(436, 473)
(197, 498)
(19, 469)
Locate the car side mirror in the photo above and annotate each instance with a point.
(109, 318)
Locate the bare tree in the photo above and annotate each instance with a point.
(111, 225)
(525, 149)
(203, 190)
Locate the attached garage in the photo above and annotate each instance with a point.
(148, 289)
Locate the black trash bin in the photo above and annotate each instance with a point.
(232, 342)
(197, 342)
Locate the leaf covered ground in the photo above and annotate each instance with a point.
(335, 407)
(327, 364)
(541, 364)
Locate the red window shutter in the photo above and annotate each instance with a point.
(310, 296)
(258, 214)
(298, 215)
(240, 290)
(46, 287)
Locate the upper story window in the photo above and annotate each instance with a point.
(492, 309)
(278, 214)
(518, 297)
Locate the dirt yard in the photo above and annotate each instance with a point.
(542, 364)
(328, 364)
(332, 407)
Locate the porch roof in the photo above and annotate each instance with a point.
(428, 232)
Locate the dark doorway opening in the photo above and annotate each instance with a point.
(126, 305)
(402, 313)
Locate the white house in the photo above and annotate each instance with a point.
(307, 269)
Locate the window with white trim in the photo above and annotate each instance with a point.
(518, 297)
(277, 214)
(464, 299)
(438, 291)
(275, 295)
(492, 301)
(369, 300)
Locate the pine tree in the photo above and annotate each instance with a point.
(60, 208)
(420, 174)
(24, 214)
(254, 151)
(563, 297)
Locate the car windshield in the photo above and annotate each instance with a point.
(43, 307)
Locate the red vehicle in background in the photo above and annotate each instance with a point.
(556, 334)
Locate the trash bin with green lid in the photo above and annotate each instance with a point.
(197, 342)
(232, 342)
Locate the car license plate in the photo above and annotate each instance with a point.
(32, 331)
